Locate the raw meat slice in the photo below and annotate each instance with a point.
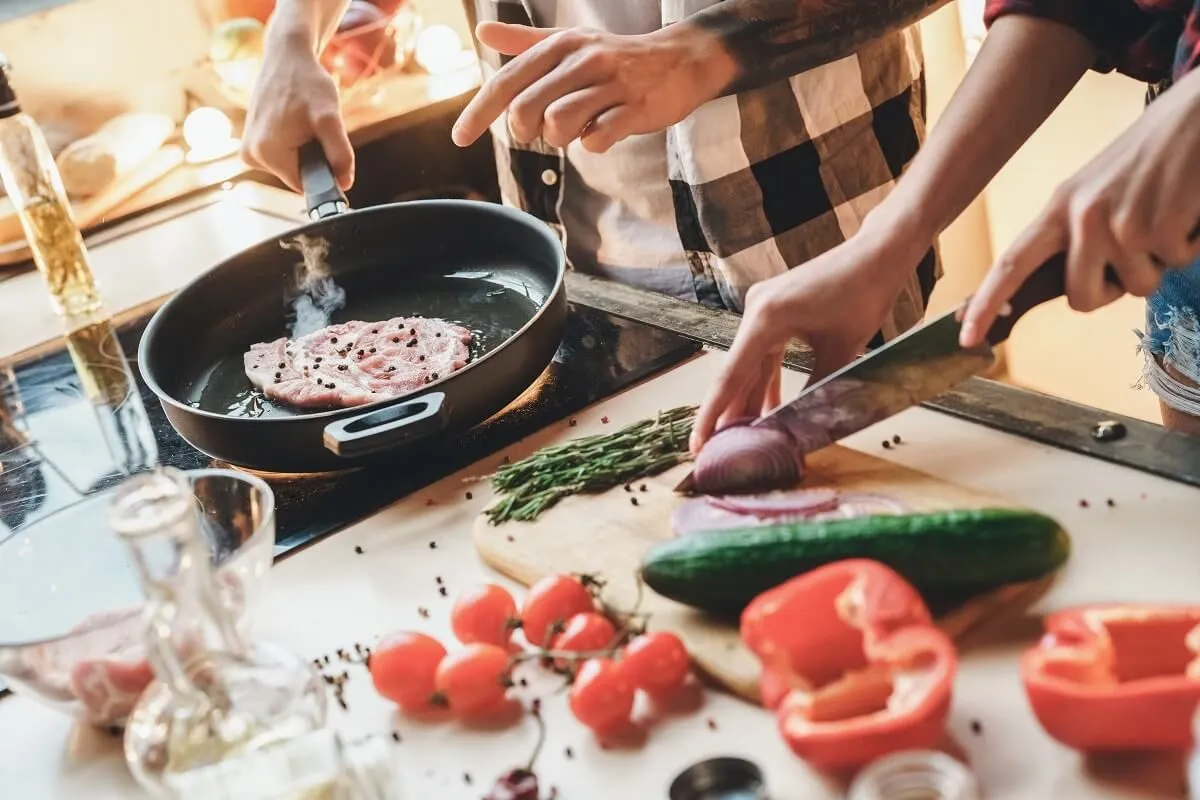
(355, 363)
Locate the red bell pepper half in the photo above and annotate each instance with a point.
(1117, 677)
(852, 664)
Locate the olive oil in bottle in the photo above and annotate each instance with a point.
(35, 187)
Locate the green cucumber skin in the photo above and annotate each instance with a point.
(939, 552)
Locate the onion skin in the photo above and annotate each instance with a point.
(748, 460)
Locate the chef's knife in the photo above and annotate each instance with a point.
(912, 368)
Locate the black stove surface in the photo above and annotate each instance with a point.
(79, 419)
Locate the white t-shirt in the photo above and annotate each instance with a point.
(617, 208)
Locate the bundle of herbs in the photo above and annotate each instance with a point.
(590, 464)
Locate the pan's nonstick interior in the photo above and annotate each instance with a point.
(492, 302)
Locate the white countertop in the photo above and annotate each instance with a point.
(1145, 549)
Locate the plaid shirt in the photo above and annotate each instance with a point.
(768, 179)
(1149, 40)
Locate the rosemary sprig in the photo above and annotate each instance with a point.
(590, 464)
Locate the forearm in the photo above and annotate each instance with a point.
(308, 23)
(769, 40)
(1023, 71)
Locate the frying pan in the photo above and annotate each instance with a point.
(492, 269)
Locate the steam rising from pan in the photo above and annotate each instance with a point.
(318, 295)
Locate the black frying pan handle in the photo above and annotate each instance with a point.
(322, 194)
(384, 428)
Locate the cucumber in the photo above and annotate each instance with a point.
(944, 553)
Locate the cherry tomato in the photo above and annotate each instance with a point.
(552, 601)
(602, 697)
(484, 614)
(584, 633)
(473, 681)
(657, 663)
(403, 666)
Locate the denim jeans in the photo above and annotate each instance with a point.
(1172, 340)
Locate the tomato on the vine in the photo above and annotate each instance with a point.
(403, 666)
(602, 697)
(485, 614)
(473, 681)
(551, 602)
(584, 633)
(657, 663)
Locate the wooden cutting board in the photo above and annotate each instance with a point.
(89, 212)
(607, 535)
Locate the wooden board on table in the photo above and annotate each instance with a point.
(91, 211)
(607, 535)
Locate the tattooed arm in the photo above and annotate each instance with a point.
(773, 39)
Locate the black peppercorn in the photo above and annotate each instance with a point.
(633, 500)
(342, 367)
(282, 365)
(372, 350)
(435, 376)
(887, 445)
(333, 340)
(358, 549)
(395, 340)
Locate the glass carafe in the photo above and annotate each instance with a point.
(216, 696)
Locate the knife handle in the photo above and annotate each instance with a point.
(1048, 283)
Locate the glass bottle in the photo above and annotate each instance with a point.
(32, 181)
(316, 766)
(915, 775)
(216, 696)
(107, 380)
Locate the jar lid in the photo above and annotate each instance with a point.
(725, 778)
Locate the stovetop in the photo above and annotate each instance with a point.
(79, 419)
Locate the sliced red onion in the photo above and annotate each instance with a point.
(697, 515)
(745, 460)
(853, 506)
(794, 503)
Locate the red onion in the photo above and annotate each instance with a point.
(796, 503)
(745, 460)
(852, 506)
(697, 515)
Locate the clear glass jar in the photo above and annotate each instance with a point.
(915, 775)
(35, 187)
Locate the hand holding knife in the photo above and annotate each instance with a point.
(907, 371)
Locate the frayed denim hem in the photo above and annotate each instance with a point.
(1172, 338)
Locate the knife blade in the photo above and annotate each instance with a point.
(915, 367)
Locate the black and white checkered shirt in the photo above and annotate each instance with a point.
(765, 180)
